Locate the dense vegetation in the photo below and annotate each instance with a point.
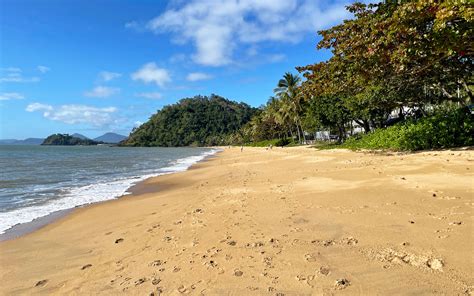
(395, 62)
(68, 140)
(442, 130)
(197, 121)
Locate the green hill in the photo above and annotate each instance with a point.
(67, 140)
(197, 121)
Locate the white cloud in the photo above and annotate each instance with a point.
(108, 76)
(14, 74)
(76, 114)
(217, 28)
(11, 96)
(137, 123)
(43, 69)
(197, 76)
(102, 92)
(151, 73)
(38, 106)
(15, 77)
(11, 69)
(150, 95)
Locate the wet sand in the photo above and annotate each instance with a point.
(292, 221)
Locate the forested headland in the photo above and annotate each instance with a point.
(197, 121)
(400, 77)
(68, 140)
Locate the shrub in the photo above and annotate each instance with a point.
(441, 130)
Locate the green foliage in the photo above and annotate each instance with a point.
(283, 142)
(67, 140)
(197, 121)
(274, 142)
(393, 55)
(441, 130)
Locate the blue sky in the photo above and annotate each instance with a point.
(97, 66)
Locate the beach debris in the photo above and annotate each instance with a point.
(119, 240)
(232, 243)
(86, 266)
(456, 223)
(342, 284)
(41, 283)
(411, 222)
(238, 272)
(198, 210)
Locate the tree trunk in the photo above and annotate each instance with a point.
(299, 136)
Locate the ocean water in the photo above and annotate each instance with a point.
(38, 180)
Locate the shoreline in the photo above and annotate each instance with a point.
(258, 222)
(22, 229)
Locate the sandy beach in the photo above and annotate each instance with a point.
(291, 221)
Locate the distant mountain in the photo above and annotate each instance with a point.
(67, 140)
(8, 141)
(29, 141)
(111, 138)
(82, 137)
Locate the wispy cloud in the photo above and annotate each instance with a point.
(102, 92)
(14, 74)
(10, 69)
(76, 114)
(150, 73)
(150, 95)
(106, 76)
(217, 28)
(11, 96)
(197, 76)
(43, 69)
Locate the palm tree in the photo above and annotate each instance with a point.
(287, 91)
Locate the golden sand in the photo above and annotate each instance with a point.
(292, 221)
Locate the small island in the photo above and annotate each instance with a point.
(68, 140)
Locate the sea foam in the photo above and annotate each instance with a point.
(88, 194)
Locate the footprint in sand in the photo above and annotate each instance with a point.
(323, 270)
(41, 283)
(119, 240)
(341, 284)
(140, 281)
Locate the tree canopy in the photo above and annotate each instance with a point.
(197, 121)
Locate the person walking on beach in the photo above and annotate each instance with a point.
(242, 148)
